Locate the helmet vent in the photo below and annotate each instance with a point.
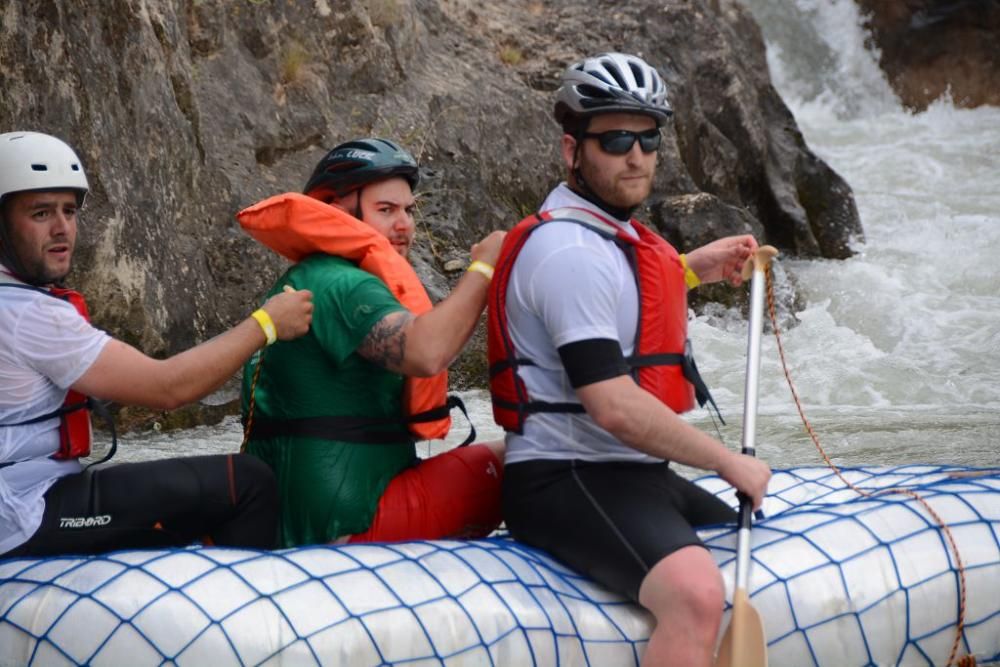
(39, 167)
(640, 79)
(343, 166)
(611, 69)
(75, 167)
(588, 91)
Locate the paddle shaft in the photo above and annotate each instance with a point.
(744, 643)
(757, 286)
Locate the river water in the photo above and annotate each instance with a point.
(896, 354)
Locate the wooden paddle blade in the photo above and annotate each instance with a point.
(743, 644)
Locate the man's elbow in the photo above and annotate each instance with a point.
(164, 400)
(165, 392)
(612, 420)
(427, 364)
(612, 405)
(427, 351)
(608, 414)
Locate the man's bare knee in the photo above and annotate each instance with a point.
(686, 582)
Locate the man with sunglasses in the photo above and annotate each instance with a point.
(590, 368)
(52, 359)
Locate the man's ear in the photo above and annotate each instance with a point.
(568, 148)
(350, 202)
(338, 202)
(345, 203)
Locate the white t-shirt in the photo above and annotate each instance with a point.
(568, 284)
(45, 346)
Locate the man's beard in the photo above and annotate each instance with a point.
(36, 275)
(613, 192)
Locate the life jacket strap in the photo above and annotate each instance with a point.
(343, 428)
(531, 407)
(505, 364)
(360, 430)
(688, 367)
(685, 361)
(701, 392)
(58, 412)
(442, 411)
(99, 408)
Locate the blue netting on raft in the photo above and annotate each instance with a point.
(484, 602)
(842, 579)
(838, 579)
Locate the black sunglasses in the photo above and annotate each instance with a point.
(619, 142)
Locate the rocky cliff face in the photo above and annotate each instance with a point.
(930, 48)
(185, 111)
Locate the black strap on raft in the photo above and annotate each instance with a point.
(99, 408)
(361, 430)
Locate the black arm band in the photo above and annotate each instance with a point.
(592, 360)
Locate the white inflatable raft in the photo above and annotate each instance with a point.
(839, 580)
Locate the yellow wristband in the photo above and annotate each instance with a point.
(267, 324)
(691, 278)
(481, 267)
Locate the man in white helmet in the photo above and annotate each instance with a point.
(52, 360)
(590, 369)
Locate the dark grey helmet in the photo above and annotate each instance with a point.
(354, 164)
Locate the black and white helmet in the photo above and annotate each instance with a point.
(612, 82)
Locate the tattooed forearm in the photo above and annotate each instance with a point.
(385, 344)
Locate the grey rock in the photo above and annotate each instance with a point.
(186, 111)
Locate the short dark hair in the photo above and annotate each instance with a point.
(575, 125)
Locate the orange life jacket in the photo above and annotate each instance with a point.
(75, 431)
(661, 361)
(296, 226)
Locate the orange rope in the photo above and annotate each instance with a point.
(964, 661)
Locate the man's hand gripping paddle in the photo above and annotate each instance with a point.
(743, 644)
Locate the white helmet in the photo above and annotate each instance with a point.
(35, 161)
(612, 82)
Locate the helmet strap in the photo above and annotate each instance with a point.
(357, 204)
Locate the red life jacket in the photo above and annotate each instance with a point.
(75, 432)
(661, 362)
(75, 429)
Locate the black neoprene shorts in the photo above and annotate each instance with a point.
(610, 521)
(229, 499)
